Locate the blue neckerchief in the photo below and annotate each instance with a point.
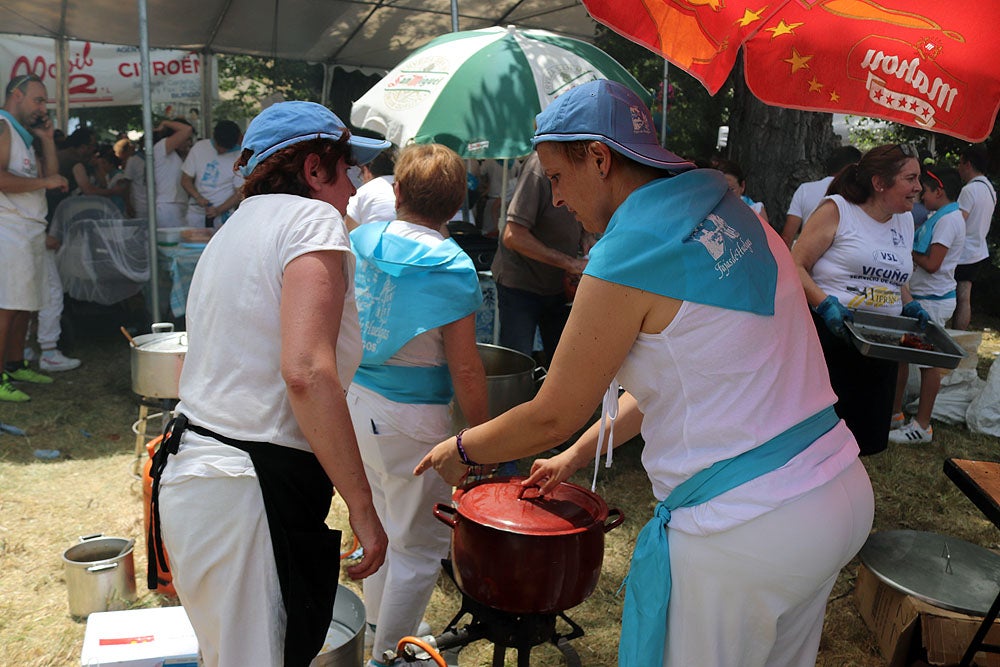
(408, 384)
(647, 588)
(405, 288)
(924, 234)
(746, 200)
(935, 297)
(703, 243)
(28, 137)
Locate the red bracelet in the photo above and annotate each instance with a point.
(461, 450)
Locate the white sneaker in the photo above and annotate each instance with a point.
(898, 421)
(912, 433)
(56, 361)
(30, 354)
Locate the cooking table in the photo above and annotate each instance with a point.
(980, 482)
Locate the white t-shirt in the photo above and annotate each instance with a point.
(167, 171)
(977, 199)
(807, 198)
(231, 382)
(869, 261)
(213, 177)
(716, 383)
(373, 202)
(949, 231)
(135, 172)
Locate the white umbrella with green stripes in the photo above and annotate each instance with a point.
(478, 91)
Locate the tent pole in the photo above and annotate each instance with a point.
(663, 101)
(454, 15)
(147, 139)
(62, 85)
(327, 81)
(206, 61)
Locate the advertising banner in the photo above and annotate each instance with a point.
(103, 75)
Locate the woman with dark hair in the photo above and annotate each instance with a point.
(243, 483)
(417, 299)
(693, 304)
(854, 253)
(737, 182)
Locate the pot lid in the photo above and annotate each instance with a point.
(175, 341)
(504, 504)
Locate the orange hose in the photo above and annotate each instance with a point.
(354, 547)
(420, 643)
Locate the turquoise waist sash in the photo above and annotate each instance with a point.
(647, 587)
(408, 384)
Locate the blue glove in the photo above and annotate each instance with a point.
(834, 315)
(916, 311)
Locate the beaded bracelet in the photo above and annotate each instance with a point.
(461, 450)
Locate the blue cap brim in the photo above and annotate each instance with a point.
(364, 149)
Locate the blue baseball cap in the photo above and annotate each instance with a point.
(611, 113)
(286, 123)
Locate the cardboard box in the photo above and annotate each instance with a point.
(905, 627)
(157, 637)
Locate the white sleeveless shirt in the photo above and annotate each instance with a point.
(716, 383)
(23, 162)
(869, 261)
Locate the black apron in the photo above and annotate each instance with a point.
(297, 495)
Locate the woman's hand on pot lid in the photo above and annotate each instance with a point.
(444, 459)
(547, 474)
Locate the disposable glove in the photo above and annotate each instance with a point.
(916, 311)
(834, 315)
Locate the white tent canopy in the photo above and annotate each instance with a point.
(371, 34)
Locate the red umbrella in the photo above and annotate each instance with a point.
(917, 62)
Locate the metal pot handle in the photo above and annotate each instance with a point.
(92, 536)
(94, 569)
(524, 489)
(441, 509)
(162, 327)
(619, 518)
(538, 375)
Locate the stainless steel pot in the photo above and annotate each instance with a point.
(157, 360)
(511, 379)
(100, 574)
(345, 640)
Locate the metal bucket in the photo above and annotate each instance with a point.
(345, 640)
(100, 574)
(511, 379)
(157, 359)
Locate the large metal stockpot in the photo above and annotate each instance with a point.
(518, 552)
(157, 359)
(511, 379)
(345, 640)
(100, 574)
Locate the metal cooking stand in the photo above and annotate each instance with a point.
(505, 630)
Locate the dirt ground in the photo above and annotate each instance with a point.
(45, 505)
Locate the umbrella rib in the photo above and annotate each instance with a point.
(219, 19)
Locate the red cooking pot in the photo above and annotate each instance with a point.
(522, 553)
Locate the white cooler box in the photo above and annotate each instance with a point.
(156, 637)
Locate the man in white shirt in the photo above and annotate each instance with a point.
(207, 176)
(375, 200)
(808, 195)
(976, 201)
(173, 141)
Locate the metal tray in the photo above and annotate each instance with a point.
(877, 335)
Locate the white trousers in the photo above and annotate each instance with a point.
(755, 596)
(397, 595)
(49, 328)
(221, 559)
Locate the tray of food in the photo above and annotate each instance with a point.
(900, 338)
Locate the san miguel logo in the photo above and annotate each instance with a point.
(905, 79)
(418, 79)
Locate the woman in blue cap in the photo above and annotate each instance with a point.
(243, 483)
(695, 307)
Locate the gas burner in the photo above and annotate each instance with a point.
(505, 630)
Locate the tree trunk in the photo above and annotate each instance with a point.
(777, 148)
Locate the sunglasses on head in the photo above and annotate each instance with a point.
(907, 149)
(21, 82)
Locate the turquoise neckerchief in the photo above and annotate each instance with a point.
(924, 234)
(405, 288)
(647, 587)
(28, 137)
(705, 245)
